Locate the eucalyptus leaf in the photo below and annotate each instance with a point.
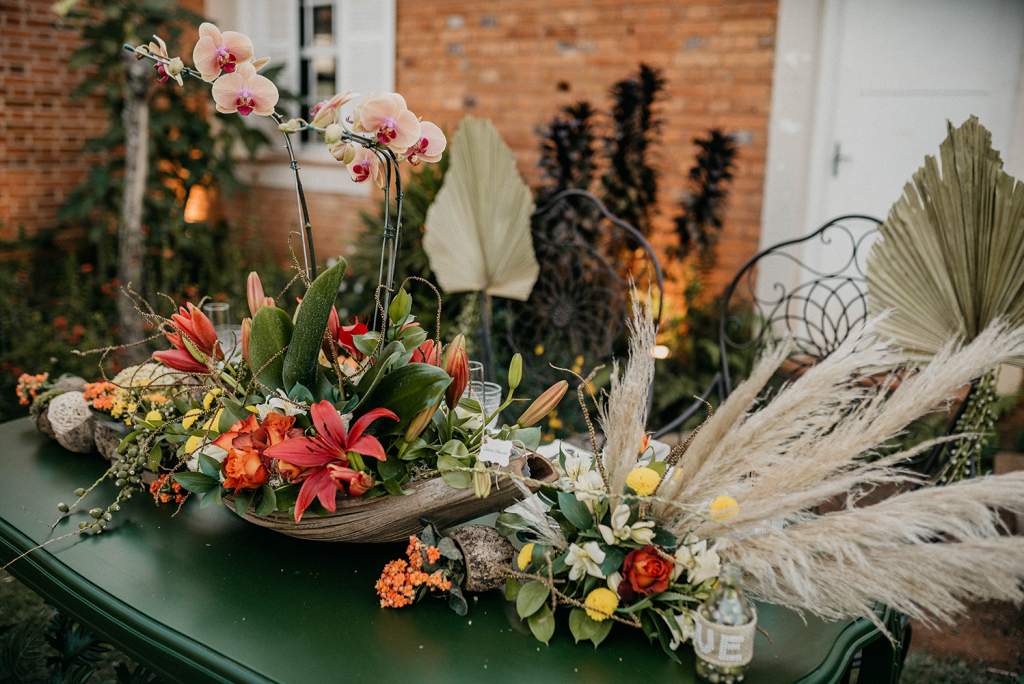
(512, 587)
(209, 466)
(530, 437)
(531, 598)
(242, 501)
(454, 479)
(581, 625)
(197, 483)
(542, 624)
(603, 628)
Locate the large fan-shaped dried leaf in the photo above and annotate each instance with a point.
(478, 229)
(951, 257)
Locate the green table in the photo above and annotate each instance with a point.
(206, 596)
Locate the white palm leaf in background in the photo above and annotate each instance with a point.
(478, 229)
(951, 255)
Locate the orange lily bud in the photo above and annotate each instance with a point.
(543, 404)
(457, 367)
(246, 332)
(458, 343)
(420, 422)
(254, 293)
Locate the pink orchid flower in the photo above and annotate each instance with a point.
(328, 111)
(245, 91)
(390, 121)
(216, 51)
(430, 145)
(330, 446)
(365, 166)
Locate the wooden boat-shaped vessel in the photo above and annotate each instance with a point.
(393, 518)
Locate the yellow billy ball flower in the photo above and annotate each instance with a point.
(153, 416)
(525, 555)
(601, 599)
(643, 481)
(724, 503)
(190, 419)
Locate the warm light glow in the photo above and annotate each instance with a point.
(198, 205)
(660, 351)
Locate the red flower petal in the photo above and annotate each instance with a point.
(330, 426)
(309, 491)
(365, 420)
(305, 452)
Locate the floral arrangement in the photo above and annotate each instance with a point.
(621, 539)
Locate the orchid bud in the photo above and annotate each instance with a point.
(246, 332)
(420, 422)
(457, 368)
(515, 372)
(543, 404)
(343, 152)
(481, 480)
(333, 133)
(292, 126)
(175, 66)
(254, 293)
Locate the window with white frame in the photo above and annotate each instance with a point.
(325, 46)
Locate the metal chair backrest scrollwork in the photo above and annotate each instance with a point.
(580, 302)
(825, 302)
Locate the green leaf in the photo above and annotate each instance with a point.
(209, 465)
(456, 448)
(218, 494)
(181, 404)
(301, 394)
(603, 628)
(512, 587)
(367, 342)
(301, 361)
(392, 469)
(581, 625)
(471, 405)
(130, 437)
(268, 502)
(531, 597)
(509, 523)
(388, 356)
(454, 479)
(457, 601)
(406, 391)
(412, 337)
(575, 511)
(658, 467)
(197, 483)
(271, 333)
(242, 502)
(395, 489)
(663, 538)
(542, 624)
(156, 455)
(287, 494)
(400, 306)
(530, 437)
(449, 549)
(208, 498)
(613, 557)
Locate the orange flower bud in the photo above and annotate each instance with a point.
(457, 367)
(420, 422)
(246, 332)
(543, 404)
(458, 343)
(254, 293)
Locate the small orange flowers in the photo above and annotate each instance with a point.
(164, 490)
(101, 394)
(399, 584)
(29, 386)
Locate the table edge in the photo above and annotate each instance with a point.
(856, 636)
(142, 638)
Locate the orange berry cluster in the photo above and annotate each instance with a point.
(29, 385)
(398, 584)
(164, 490)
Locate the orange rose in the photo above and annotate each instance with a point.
(243, 467)
(644, 572)
(277, 427)
(242, 427)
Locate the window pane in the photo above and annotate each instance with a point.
(323, 25)
(324, 71)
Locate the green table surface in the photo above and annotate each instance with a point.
(205, 596)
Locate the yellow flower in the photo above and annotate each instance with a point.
(538, 350)
(192, 444)
(604, 600)
(208, 400)
(525, 555)
(154, 417)
(724, 503)
(579, 360)
(643, 481)
(213, 422)
(190, 419)
(555, 423)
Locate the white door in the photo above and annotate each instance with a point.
(896, 71)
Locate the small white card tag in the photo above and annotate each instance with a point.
(496, 451)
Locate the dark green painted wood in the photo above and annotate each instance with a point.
(207, 597)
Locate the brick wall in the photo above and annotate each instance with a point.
(41, 129)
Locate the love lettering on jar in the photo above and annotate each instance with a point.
(724, 644)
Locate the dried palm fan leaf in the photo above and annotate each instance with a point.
(951, 256)
(478, 229)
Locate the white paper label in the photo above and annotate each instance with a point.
(496, 451)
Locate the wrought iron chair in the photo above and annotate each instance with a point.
(580, 302)
(828, 299)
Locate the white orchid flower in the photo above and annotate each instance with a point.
(706, 565)
(585, 560)
(639, 532)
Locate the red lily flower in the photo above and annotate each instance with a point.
(342, 337)
(331, 445)
(425, 353)
(358, 481)
(191, 329)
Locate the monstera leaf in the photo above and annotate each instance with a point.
(951, 256)
(478, 229)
